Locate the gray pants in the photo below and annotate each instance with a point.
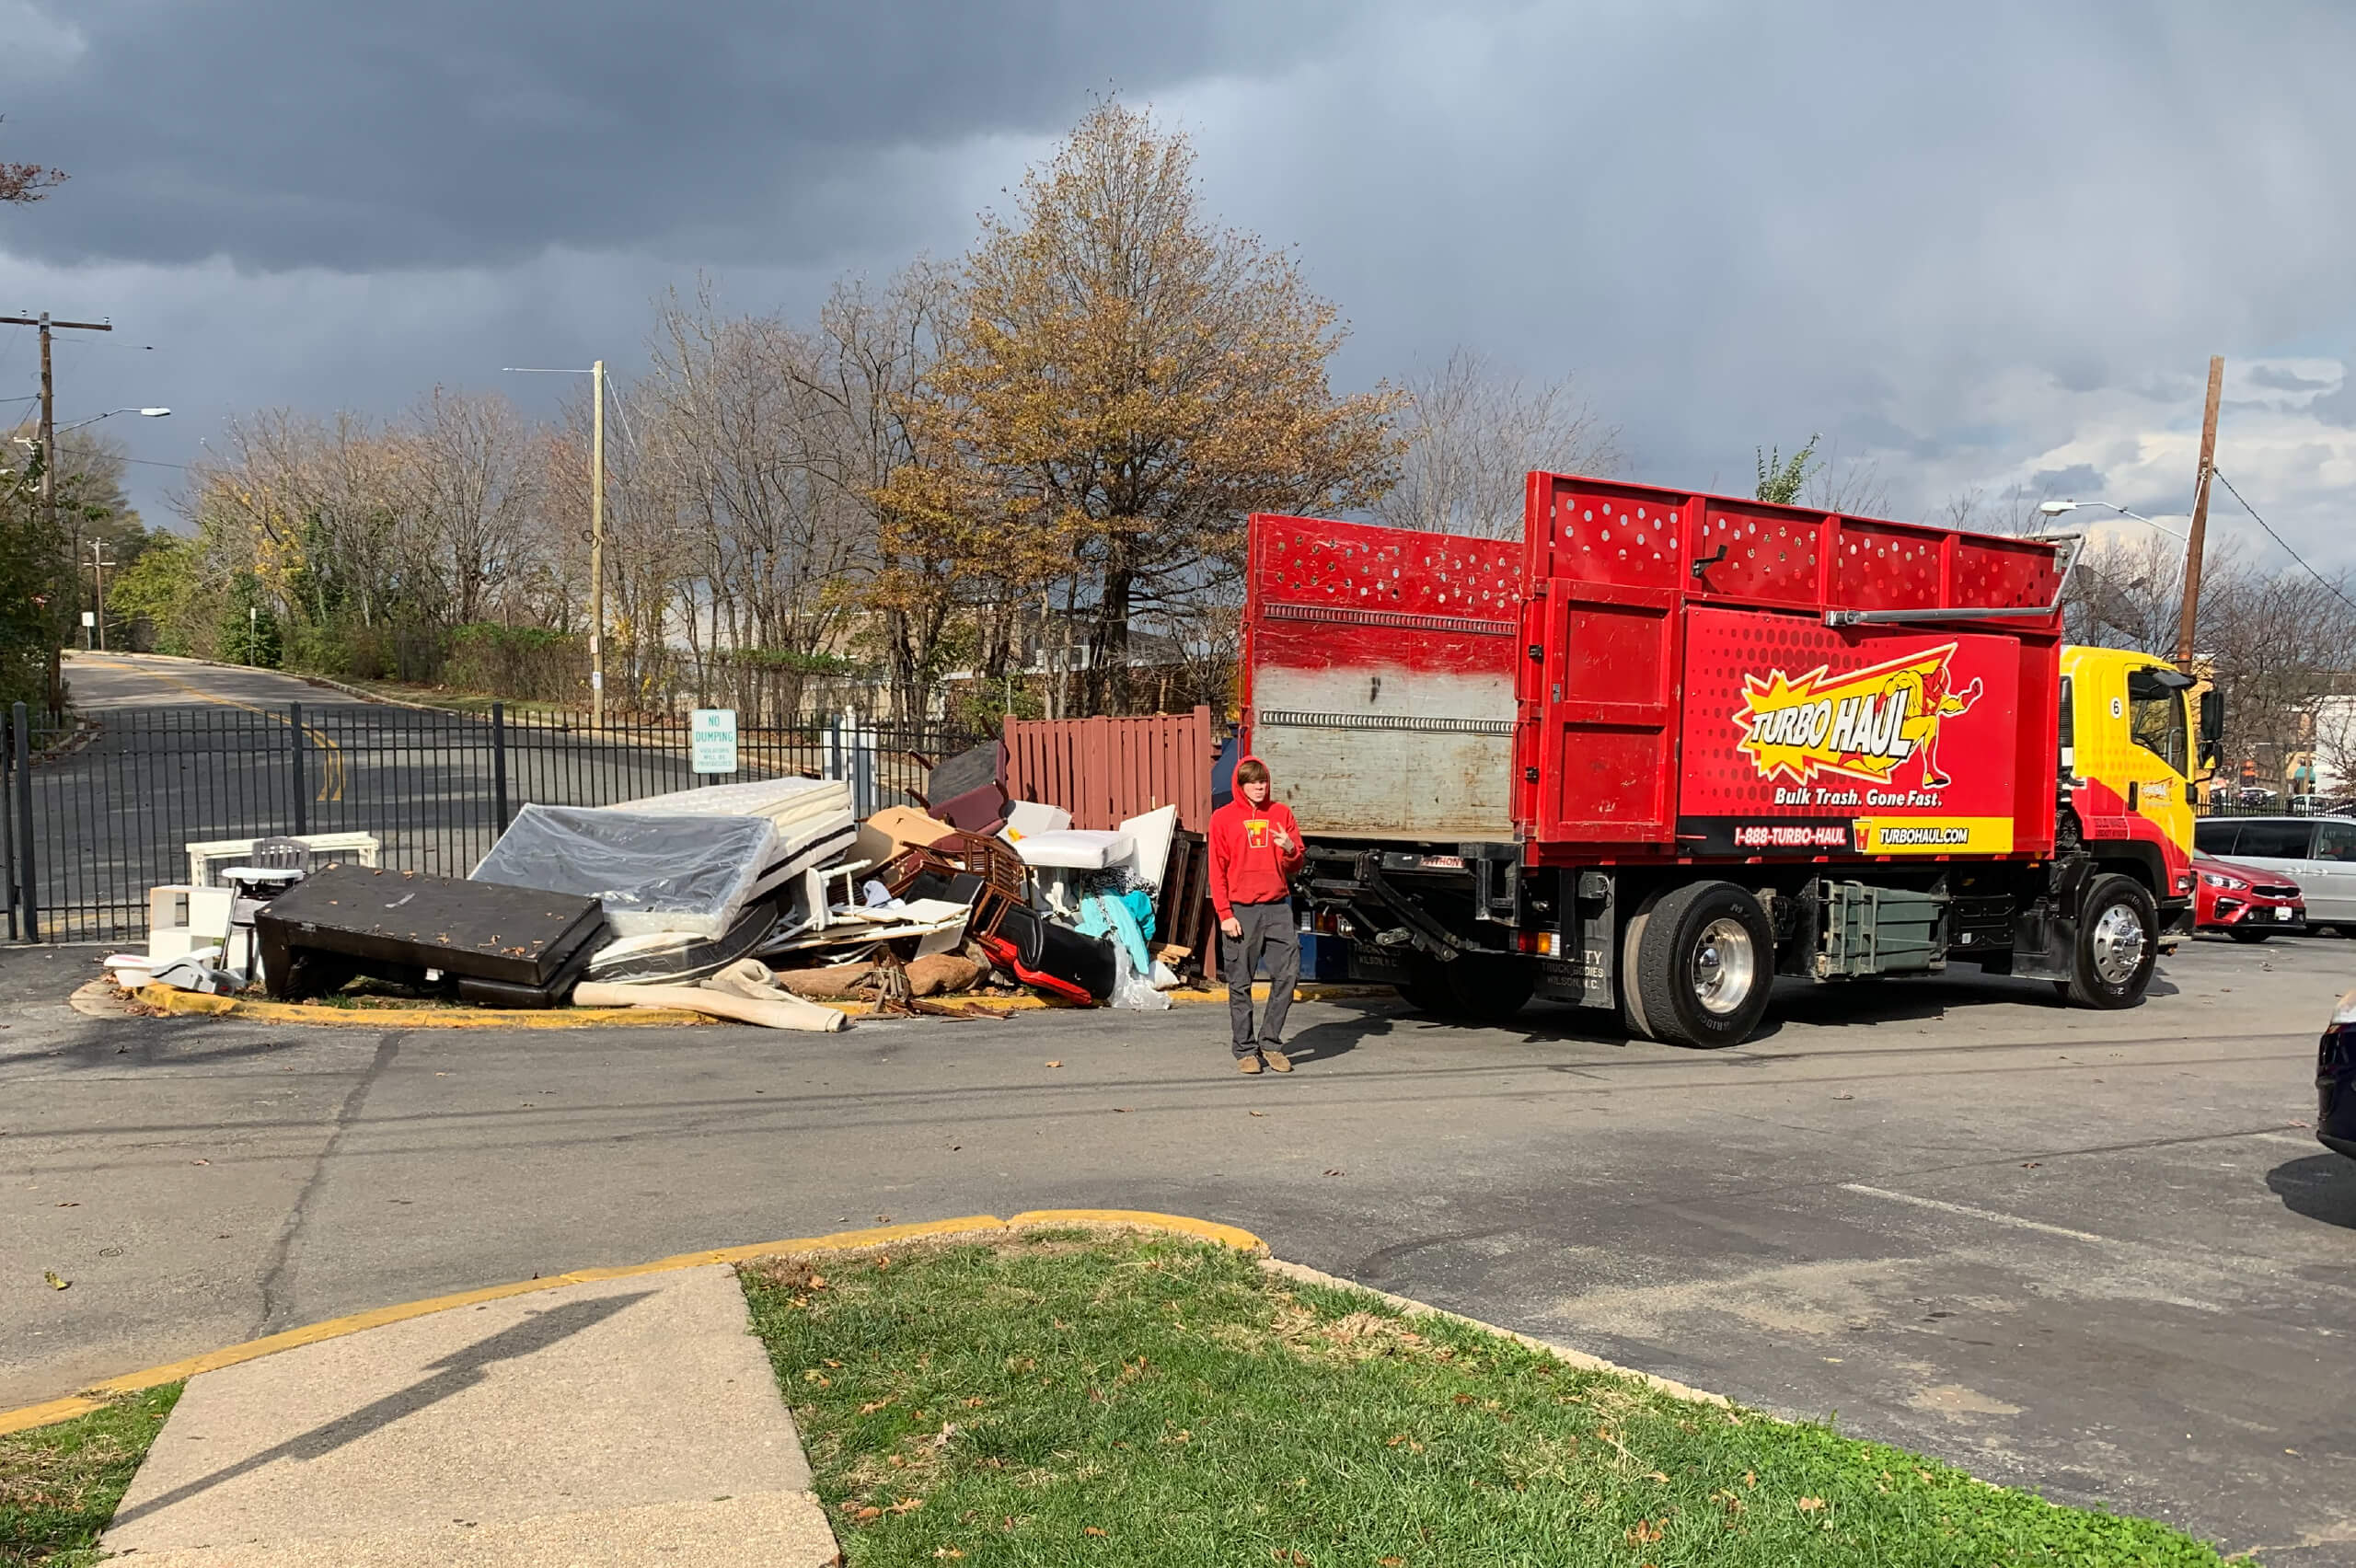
(1267, 937)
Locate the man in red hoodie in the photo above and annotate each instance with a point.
(1255, 850)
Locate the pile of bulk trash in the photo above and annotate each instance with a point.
(755, 901)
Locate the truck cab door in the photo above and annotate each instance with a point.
(2160, 786)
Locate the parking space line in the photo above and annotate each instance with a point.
(1991, 1216)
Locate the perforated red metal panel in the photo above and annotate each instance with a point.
(1300, 560)
(1990, 570)
(1885, 566)
(1612, 535)
(1770, 553)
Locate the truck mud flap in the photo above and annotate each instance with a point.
(2045, 938)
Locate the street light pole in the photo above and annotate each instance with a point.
(596, 374)
(2056, 508)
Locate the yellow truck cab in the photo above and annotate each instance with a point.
(2127, 762)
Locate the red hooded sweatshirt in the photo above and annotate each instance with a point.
(1246, 865)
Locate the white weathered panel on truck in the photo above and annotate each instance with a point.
(1387, 752)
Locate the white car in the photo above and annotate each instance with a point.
(2319, 853)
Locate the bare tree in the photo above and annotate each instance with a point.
(467, 476)
(744, 448)
(2013, 510)
(874, 348)
(1473, 429)
(1851, 486)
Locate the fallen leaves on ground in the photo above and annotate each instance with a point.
(52, 1279)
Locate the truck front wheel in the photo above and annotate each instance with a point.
(2118, 943)
(1704, 963)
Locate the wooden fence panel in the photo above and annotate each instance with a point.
(1106, 770)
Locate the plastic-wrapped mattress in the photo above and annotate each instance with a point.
(652, 871)
(812, 817)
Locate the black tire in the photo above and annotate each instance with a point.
(1704, 964)
(2246, 934)
(1487, 989)
(1473, 988)
(2101, 975)
(1426, 989)
(1632, 997)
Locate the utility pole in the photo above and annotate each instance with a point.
(598, 547)
(99, 567)
(2192, 610)
(49, 426)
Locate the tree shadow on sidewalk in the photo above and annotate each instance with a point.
(453, 1373)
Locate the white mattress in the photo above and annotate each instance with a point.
(814, 820)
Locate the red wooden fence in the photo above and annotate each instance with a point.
(1106, 770)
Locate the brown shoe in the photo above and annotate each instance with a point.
(1252, 1065)
(1277, 1061)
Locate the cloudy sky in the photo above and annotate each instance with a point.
(1978, 246)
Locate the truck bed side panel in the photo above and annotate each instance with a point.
(1377, 677)
(1883, 740)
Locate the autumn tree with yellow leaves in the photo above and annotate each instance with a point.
(1121, 385)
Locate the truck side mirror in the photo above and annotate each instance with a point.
(2212, 727)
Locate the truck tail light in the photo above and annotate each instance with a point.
(1545, 944)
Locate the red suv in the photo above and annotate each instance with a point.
(2248, 904)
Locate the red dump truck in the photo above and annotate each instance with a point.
(1667, 746)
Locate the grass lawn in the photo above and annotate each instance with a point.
(1067, 1397)
(59, 1484)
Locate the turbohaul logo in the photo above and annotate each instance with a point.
(1863, 724)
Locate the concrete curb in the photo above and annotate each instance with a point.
(196, 1004)
(97, 1394)
(870, 1240)
(1304, 1274)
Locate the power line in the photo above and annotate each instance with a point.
(2329, 586)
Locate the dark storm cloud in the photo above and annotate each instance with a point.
(2275, 379)
(293, 133)
(1970, 244)
(2079, 479)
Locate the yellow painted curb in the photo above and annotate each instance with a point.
(97, 1395)
(196, 1004)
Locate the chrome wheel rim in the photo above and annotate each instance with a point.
(1724, 967)
(2118, 945)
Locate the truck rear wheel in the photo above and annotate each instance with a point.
(1475, 987)
(1426, 989)
(1704, 963)
(2118, 943)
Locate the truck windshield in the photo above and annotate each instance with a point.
(2155, 718)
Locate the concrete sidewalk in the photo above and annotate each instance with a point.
(622, 1421)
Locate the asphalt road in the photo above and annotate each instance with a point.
(104, 682)
(2095, 1253)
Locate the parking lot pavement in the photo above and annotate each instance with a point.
(2095, 1253)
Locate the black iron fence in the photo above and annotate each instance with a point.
(99, 809)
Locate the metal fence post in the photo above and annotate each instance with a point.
(22, 723)
(498, 762)
(302, 780)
